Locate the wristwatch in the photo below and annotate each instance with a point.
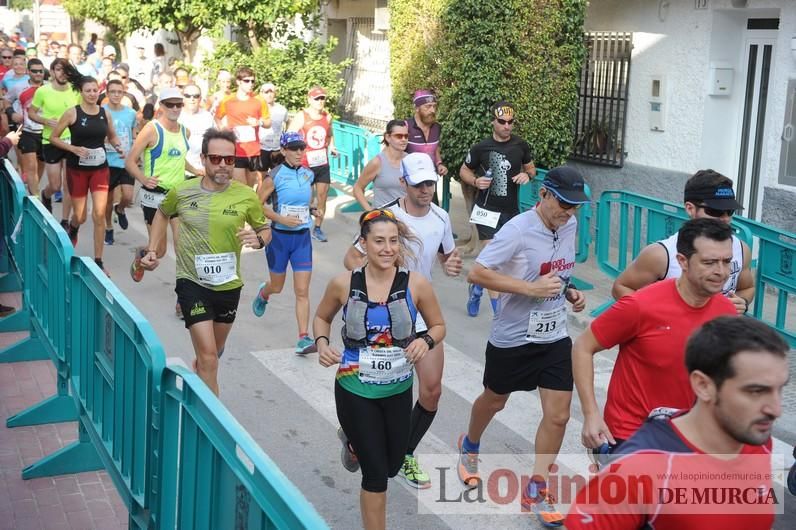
(260, 239)
(429, 340)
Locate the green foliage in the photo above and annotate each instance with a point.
(20, 5)
(294, 68)
(475, 52)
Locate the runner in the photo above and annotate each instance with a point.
(245, 113)
(373, 387)
(197, 120)
(425, 131)
(530, 262)
(164, 145)
(16, 79)
(433, 241)
(124, 123)
(270, 153)
(498, 165)
(30, 146)
(651, 327)
(289, 187)
(6, 57)
(737, 369)
(49, 103)
(223, 84)
(86, 164)
(706, 194)
(385, 170)
(213, 211)
(316, 124)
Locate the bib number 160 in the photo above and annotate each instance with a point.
(380, 365)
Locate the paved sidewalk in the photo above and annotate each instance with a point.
(79, 502)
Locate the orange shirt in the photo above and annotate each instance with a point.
(237, 112)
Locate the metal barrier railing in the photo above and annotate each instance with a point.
(212, 473)
(12, 191)
(355, 146)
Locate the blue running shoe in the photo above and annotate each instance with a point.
(305, 345)
(474, 301)
(259, 303)
(318, 234)
(109, 237)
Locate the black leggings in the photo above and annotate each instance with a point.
(378, 431)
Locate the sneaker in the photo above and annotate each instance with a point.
(305, 345)
(318, 234)
(259, 303)
(47, 203)
(58, 196)
(65, 225)
(109, 237)
(72, 231)
(467, 467)
(136, 270)
(474, 300)
(121, 218)
(412, 473)
(178, 312)
(101, 265)
(542, 505)
(347, 455)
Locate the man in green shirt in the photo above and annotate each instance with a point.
(213, 212)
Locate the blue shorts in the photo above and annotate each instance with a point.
(286, 246)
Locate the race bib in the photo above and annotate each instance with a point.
(317, 158)
(151, 199)
(547, 326)
(484, 217)
(94, 157)
(245, 133)
(302, 212)
(380, 366)
(124, 141)
(216, 269)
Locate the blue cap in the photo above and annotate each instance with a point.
(292, 139)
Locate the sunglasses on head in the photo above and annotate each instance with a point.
(714, 212)
(319, 98)
(217, 159)
(374, 214)
(174, 105)
(504, 122)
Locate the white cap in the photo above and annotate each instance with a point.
(170, 93)
(417, 168)
(108, 50)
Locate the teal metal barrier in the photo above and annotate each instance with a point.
(12, 191)
(355, 146)
(212, 473)
(47, 252)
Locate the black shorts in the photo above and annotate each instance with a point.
(30, 143)
(119, 176)
(149, 213)
(528, 367)
(322, 174)
(51, 154)
(199, 303)
(486, 233)
(252, 163)
(270, 159)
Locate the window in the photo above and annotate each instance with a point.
(602, 99)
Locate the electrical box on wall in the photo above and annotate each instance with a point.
(657, 104)
(720, 80)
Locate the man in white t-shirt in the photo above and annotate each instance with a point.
(197, 120)
(269, 137)
(432, 229)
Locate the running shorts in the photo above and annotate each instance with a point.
(30, 143)
(252, 163)
(80, 181)
(198, 303)
(486, 233)
(270, 159)
(322, 174)
(51, 154)
(119, 176)
(529, 366)
(294, 247)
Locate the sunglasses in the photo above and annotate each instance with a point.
(192, 96)
(247, 80)
(319, 98)
(505, 122)
(400, 136)
(36, 71)
(564, 205)
(375, 214)
(216, 159)
(7, 56)
(713, 212)
(176, 105)
(296, 148)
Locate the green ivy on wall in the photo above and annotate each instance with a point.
(475, 52)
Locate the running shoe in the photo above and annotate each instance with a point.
(347, 455)
(542, 505)
(136, 269)
(318, 234)
(65, 225)
(259, 302)
(58, 196)
(72, 231)
(412, 473)
(467, 467)
(474, 300)
(101, 265)
(306, 345)
(121, 218)
(47, 202)
(178, 312)
(109, 237)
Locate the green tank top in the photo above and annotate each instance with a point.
(166, 159)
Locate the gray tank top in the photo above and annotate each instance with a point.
(387, 184)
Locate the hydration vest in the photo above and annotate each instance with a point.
(402, 325)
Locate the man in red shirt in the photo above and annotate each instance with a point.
(651, 327)
(711, 466)
(245, 113)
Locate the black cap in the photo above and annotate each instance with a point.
(567, 184)
(720, 197)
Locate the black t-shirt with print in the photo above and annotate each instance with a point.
(505, 159)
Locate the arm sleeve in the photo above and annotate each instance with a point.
(502, 249)
(169, 204)
(618, 323)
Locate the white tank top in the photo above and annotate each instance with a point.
(673, 269)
